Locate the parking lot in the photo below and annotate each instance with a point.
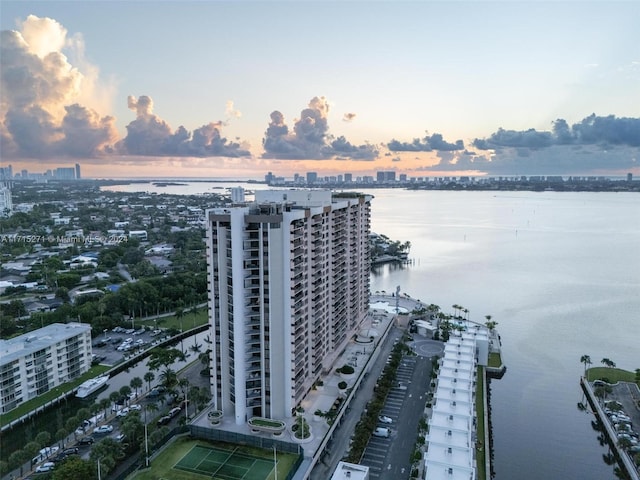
(389, 458)
(121, 343)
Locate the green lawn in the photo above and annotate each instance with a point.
(34, 403)
(189, 320)
(161, 466)
(613, 375)
(495, 360)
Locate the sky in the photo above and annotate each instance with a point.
(237, 89)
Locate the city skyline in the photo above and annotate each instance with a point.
(222, 89)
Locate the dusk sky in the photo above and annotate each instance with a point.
(236, 89)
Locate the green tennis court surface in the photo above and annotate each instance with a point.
(218, 463)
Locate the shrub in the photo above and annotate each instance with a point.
(347, 369)
(342, 385)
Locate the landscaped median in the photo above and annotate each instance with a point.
(262, 424)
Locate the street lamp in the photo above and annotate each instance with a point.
(105, 333)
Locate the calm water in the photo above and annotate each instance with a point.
(559, 272)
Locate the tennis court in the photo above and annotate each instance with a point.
(218, 463)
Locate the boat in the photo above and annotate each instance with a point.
(91, 386)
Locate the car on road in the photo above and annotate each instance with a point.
(135, 407)
(86, 441)
(71, 451)
(46, 467)
(164, 420)
(175, 412)
(104, 429)
(123, 412)
(384, 419)
(120, 437)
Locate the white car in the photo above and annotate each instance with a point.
(384, 419)
(45, 467)
(123, 412)
(135, 407)
(103, 429)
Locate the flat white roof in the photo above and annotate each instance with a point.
(350, 471)
(449, 406)
(31, 342)
(453, 395)
(450, 420)
(462, 374)
(449, 437)
(440, 471)
(455, 382)
(450, 455)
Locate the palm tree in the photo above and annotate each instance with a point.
(114, 397)
(149, 377)
(586, 359)
(104, 405)
(135, 384)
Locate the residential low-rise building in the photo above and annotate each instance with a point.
(38, 361)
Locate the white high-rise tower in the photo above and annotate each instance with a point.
(289, 287)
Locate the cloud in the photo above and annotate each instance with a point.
(49, 106)
(427, 144)
(310, 139)
(348, 117)
(591, 130)
(230, 110)
(40, 113)
(149, 135)
(553, 160)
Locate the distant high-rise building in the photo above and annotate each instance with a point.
(289, 287)
(312, 177)
(78, 177)
(237, 194)
(6, 202)
(386, 177)
(348, 178)
(6, 173)
(64, 173)
(268, 178)
(629, 176)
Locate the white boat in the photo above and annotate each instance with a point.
(92, 385)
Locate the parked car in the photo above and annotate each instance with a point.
(164, 420)
(46, 467)
(71, 451)
(381, 432)
(135, 407)
(86, 441)
(104, 429)
(120, 437)
(175, 412)
(384, 419)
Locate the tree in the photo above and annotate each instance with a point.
(586, 359)
(149, 377)
(125, 391)
(108, 451)
(32, 449)
(169, 378)
(61, 434)
(43, 438)
(608, 363)
(75, 468)
(104, 405)
(136, 383)
(161, 357)
(18, 459)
